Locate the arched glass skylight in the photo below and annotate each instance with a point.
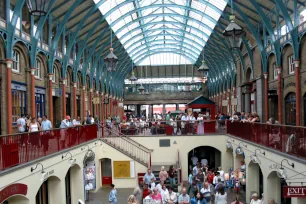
(165, 59)
(162, 26)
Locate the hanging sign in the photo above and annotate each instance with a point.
(224, 103)
(11, 190)
(294, 191)
(234, 102)
(96, 100)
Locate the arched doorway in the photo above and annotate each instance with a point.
(106, 171)
(277, 183)
(254, 181)
(17, 199)
(290, 109)
(204, 154)
(76, 180)
(49, 192)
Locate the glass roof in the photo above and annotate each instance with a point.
(148, 27)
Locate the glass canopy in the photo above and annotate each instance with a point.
(149, 27)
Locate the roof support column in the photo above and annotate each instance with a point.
(279, 95)
(297, 92)
(266, 96)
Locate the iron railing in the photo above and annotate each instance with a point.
(21, 148)
(127, 145)
(286, 139)
(162, 128)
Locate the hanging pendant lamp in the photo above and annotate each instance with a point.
(141, 89)
(133, 77)
(38, 7)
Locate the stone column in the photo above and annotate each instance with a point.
(74, 98)
(247, 99)
(84, 102)
(50, 98)
(102, 108)
(64, 96)
(259, 98)
(298, 92)
(266, 97)
(33, 102)
(229, 101)
(280, 95)
(239, 99)
(90, 103)
(9, 64)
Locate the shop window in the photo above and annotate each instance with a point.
(275, 73)
(42, 194)
(290, 109)
(37, 73)
(16, 61)
(291, 64)
(18, 104)
(40, 105)
(54, 75)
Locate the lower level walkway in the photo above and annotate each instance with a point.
(101, 197)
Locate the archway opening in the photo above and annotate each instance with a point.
(277, 183)
(16, 199)
(254, 181)
(206, 155)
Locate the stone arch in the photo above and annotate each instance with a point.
(255, 179)
(2, 48)
(24, 62)
(43, 59)
(271, 65)
(53, 184)
(76, 181)
(210, 153)
(57, 72)
(274, 180)
(69, 78)
(87, 83)
(79, 81)
(287, 54)
(248, 75)
(16, 199)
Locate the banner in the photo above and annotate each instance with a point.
(294, 191)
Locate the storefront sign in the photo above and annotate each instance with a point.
(57, 92)
(234, 102)
(14, 189)
(19, 87)
(40, 91)
(224, 103)
(294, 191)
(96, 100)
(120, 105)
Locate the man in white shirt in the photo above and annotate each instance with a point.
(171, 197)
(217, 176)
(221, 174)
(66, 122)
(194, 160)
(77, 121)
(21, 124)
(206, 192)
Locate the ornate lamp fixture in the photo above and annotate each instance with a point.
(38, 7)
(141, 89)
(281, 172)
(111, 60)
(133, 77)
(233, 32)
(204, 70)
(239, 149)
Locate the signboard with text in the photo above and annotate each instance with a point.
(294, 191)
(96, 100)
(11, 190)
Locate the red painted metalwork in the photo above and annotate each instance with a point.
(13, 190)
(21, 148)
(286, 139)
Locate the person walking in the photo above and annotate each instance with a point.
(157, 196)
(148, 177)
(221, 196)
(21, 124)
(163, 174)
(138, 193)
(34, 127)
(132, 200)
(255, 199)
(172, 171)
(112, 198)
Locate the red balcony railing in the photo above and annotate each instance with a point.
(21, 148)
(160, 128)
(287, 139)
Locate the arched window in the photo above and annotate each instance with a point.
(290, 109)
(54, 74)
(38, 69)
(16, 61)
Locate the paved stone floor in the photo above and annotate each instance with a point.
(101, 197)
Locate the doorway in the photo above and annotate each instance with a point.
(56, 111)
(106, 171)
(68, 104)
(78, 106)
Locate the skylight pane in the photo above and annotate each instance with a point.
(165, 33)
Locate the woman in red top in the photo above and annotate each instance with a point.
(145, 191)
